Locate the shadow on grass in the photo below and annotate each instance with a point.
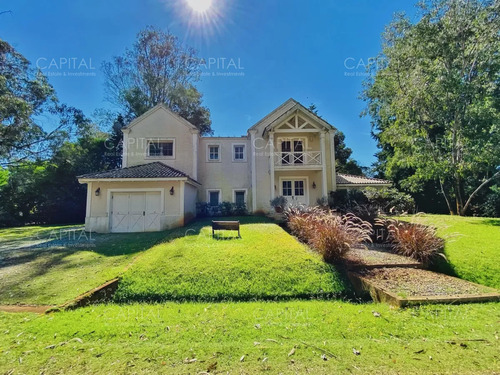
(441, 265)
(494, 222)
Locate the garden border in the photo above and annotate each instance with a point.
(363, 285)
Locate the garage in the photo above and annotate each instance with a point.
(135, 211)
(142, 198)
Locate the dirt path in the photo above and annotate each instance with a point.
(24, 308)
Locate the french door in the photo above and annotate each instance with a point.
(292, 151)
(295, 191)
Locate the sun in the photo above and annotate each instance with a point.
(199, 6)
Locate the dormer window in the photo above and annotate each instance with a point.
(161, 149)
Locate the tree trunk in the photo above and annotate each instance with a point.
(458, 196)
(445, 197)
(483, 184)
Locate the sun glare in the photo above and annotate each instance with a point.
(200, 6)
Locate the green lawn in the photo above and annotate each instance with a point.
(266, 263)
(308, 336)
(50, 265)
(254, 337)
(472, 246)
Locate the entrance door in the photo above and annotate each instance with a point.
(295, 191)
(135, 212)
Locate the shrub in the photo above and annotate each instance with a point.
(331, 234)
(413, 240)
(278, 202)
(202, 209)
(226, 208)
(386, 200)
(390, 200)
(240, 209)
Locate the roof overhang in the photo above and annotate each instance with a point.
(158, 179)
(363, 185)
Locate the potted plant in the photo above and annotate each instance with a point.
(279, 203)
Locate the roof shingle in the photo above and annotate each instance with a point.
(150, 170)
(349, 179)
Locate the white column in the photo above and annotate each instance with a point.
(332, 160)
(181, 200)
(324, 189)
(254, 175)
(195, 155)
(89, 200)
(125, 148)
(271, 161)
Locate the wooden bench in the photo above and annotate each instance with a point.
(225, 225)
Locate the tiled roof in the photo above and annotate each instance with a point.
(150, 170)
(349, 179)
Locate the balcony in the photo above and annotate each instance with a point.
(298, 160)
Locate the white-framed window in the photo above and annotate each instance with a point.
(213, 152)
(213, 197)
(287, 188)
(240, 196)
(161, 149)
(239, 152)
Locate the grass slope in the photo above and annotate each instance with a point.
(266, 263)
(472, 246)
(50, 265)
(253, 337)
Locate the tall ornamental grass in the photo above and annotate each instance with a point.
(329, 233)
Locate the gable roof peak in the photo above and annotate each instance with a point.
(289, 107)
(157, 107)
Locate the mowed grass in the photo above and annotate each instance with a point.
(50, 265)
(316, 337)
(266, 263)
(472, 246)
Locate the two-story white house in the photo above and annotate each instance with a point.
(168, 167)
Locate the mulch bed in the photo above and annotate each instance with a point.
(409, 282)
(373, 256)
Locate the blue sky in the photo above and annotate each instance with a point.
(313, 51)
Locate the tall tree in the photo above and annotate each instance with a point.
(434, 98)
(158, 69)
(26, 98)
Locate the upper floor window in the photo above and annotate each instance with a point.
(239, 153)
(161, 148)
(213, 153)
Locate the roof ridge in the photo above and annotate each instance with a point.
(157, 164)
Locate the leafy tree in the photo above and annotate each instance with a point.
(343, 161)
(26, 95)
(158, 69)
(48, 191)
(434, 99)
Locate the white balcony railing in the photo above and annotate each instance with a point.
(297, 158)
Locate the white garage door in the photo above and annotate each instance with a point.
(135, 212)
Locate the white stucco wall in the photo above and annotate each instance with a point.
(160, 125)
(190, 199)
(226, 174)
